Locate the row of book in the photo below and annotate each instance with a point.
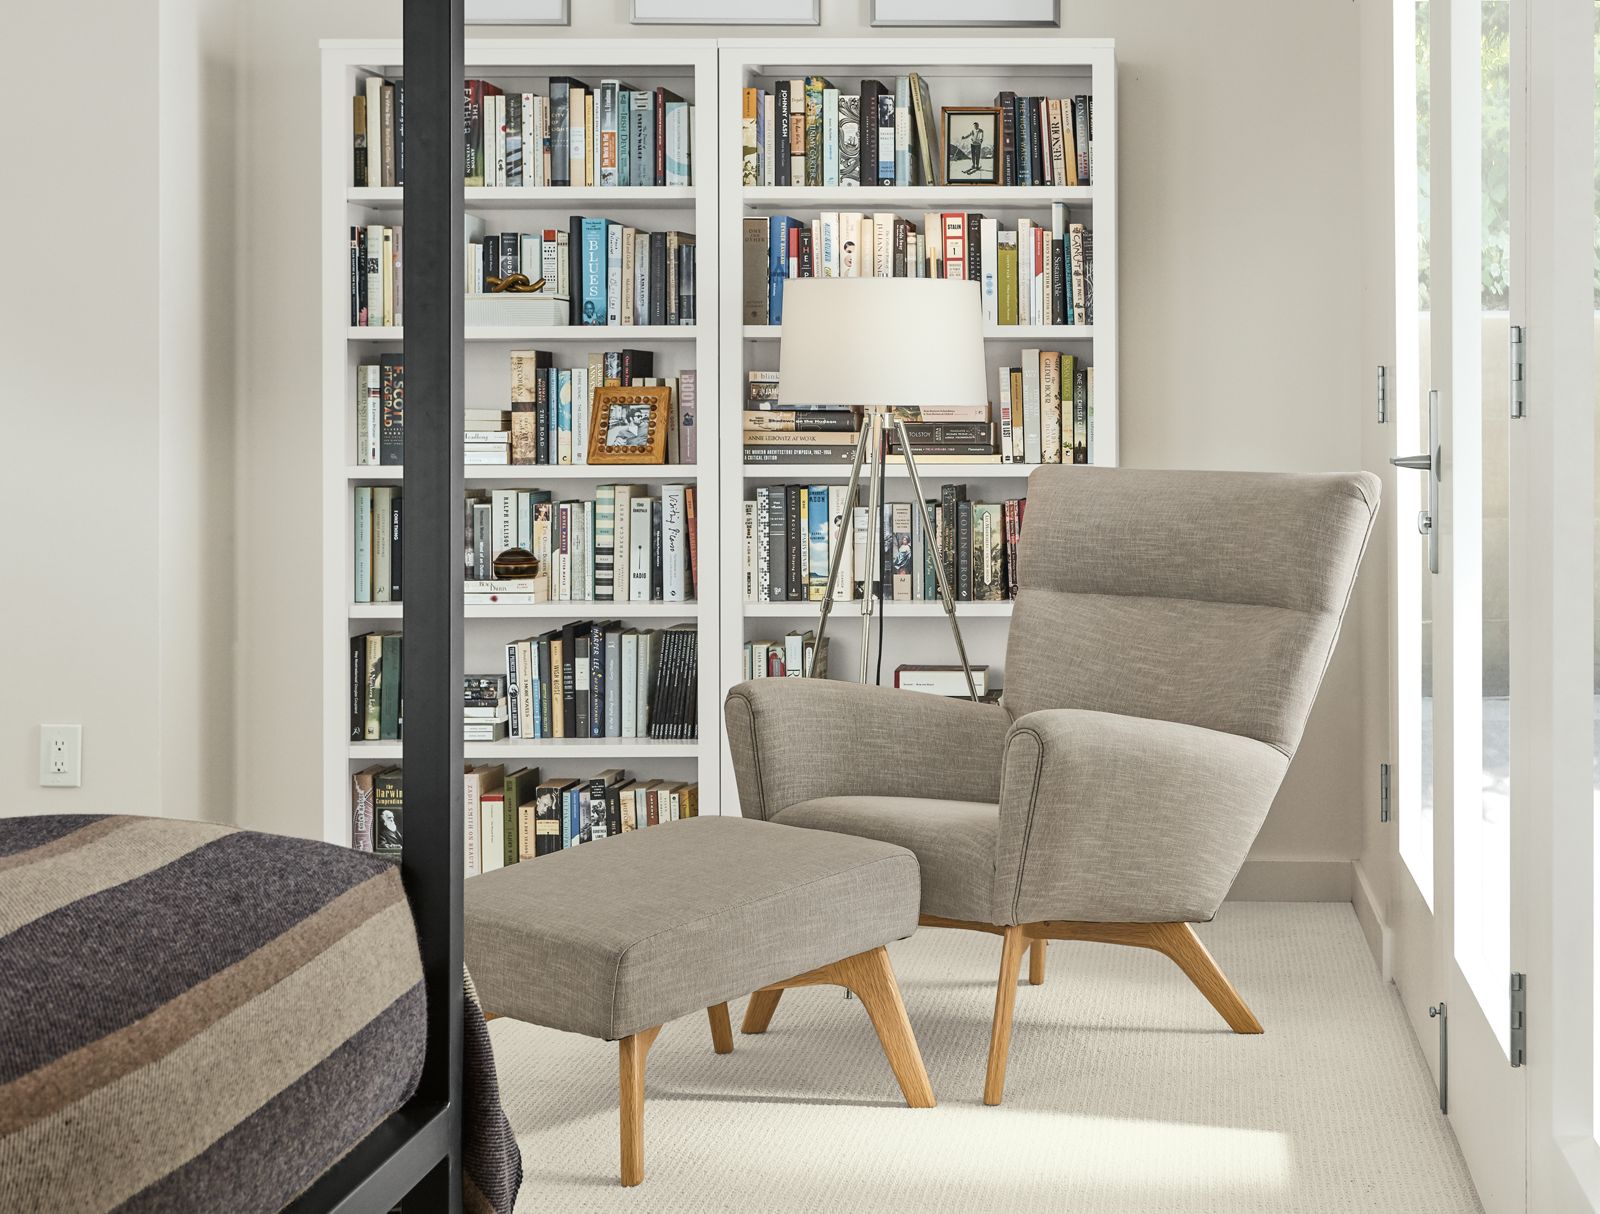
(520, 815)
(599, 679)
(618, 275)
(613, 135)
(808, 132)
(376, 259)
(1032, 274)
(616, 135)
(375, 709)
(629, 543)
(1047, 409)
(551, 407)
(548, 421)
(792, 531)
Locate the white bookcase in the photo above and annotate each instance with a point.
(720, 347)
(688, 68)
(970, 71)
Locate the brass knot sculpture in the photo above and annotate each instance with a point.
(519, 284)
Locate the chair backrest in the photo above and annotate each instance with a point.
(1208, 598)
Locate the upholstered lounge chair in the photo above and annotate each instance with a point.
(1168, 641)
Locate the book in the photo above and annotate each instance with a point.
(388, 807)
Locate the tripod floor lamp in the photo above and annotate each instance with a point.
(843, 345)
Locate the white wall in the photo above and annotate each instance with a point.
(78, 404)
(116, 407)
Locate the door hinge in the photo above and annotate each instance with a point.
(1519, 403)
(1383, 792)
(1383, 394)
(1519, 1019)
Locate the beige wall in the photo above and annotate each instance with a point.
(117, 407)
(78, 397)
(1240, 319)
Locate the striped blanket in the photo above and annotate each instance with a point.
(194, 1017)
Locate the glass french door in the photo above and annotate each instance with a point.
(1455, 705)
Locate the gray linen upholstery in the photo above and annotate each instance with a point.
(1170, 636)
(620, 936)
(820, 738)
(1123, 819)
(954, 842)
(1211, 598)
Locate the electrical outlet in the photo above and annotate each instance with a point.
(61, 756)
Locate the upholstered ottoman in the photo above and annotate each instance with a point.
(612, 940)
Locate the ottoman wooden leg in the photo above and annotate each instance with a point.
(1036, 962)
(758, 1013)
(631, 1055)
(721, 1028)
(870, 976)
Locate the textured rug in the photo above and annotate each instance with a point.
(1125, 1092)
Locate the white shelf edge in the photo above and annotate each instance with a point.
(541, 472)
(990, 332)
(893, 469)
(545, 748)
(920, 608)
(516, 197)
(1000, 197)
(581, 609)
(538, 333)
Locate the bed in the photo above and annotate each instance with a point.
(210, 1018)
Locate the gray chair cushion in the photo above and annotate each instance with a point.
(954, 842)
(615, 937)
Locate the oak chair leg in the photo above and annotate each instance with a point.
(1178, 941)
(871, 978)
(1036, 962)
(631, 1052)
(721, 1028)
(1014, 938)
(758, 1013)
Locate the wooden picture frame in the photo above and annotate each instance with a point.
(629, 425)
(970, 137)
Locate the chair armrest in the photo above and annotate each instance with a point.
(796, 739)
(1125, 819)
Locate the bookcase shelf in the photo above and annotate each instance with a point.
(534, 334)
(966, 71)
(930, 472)
(541, 198)
(545, 749)
(581, 610)
(533, 474)
(852, 608)
(970, 71)
(920, 197)
(688, 67)
(1017, 333)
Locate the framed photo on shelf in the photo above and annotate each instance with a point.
(1040, 13)
(519, 12)
(727, 12)
(971, 141)
(629, 426)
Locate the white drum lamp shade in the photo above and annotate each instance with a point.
(881, 341)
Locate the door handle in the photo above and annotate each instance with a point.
(1433, 464)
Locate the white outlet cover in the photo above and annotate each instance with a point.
(61, 756)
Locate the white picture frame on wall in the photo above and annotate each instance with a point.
(991, 13)
(727, 12)
(519, 12)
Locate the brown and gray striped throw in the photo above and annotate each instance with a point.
(194, 1017)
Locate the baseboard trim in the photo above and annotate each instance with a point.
(1369, 913)
(1293, 881)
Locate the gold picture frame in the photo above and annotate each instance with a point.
(629, 426)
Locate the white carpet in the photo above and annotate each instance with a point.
(1125, 1092)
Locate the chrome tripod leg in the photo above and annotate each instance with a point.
(846, 536)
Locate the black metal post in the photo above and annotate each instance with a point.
(434, 363)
